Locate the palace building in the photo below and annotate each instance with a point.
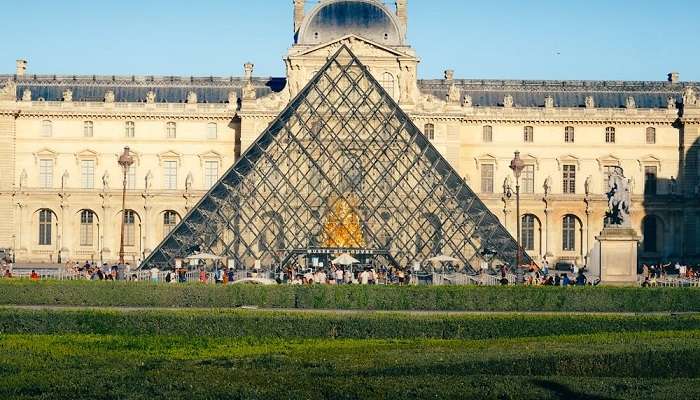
(61, 137)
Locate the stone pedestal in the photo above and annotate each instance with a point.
(618, 256)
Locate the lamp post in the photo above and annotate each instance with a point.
(517, 165)
(125, 161)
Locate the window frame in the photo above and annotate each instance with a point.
(210, 178)
(45, 227)
(88, 129)
(487, 182)
(650, 134)
(429, 131)
(527, 232)
(171, 130)
(215, 131)
(568, 233)
(46, 128)
(487, 134)
(569, 134)
(528, 134)
(130, 129)
(568, 174)
(87, 228)
(129, 228)
(527, 184)
(46, 173)
(87, 174)
(170, 178)
(610, 134)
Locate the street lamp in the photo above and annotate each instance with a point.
(125, 161)
(517, 165)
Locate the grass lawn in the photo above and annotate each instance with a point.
(67, 359)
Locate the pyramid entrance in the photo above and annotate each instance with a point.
(341, 169)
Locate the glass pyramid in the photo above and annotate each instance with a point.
(342, 167)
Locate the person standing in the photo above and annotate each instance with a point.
(339, 276)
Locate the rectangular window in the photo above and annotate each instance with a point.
(528, 134)
(211, 130)
(487, 178)
(88, 129)
(46, 173)
(569, 233)
(528, 179)
(45, 221)
(650, 174)
(487, 135)
(569, 134)
(651, 135)
(87, 228)
(130, 129)
(87, 174)
(211, 173)
(170, 175)
(569, 179)
(46, 129)
(171, 130)
(131, 178)
(129, 228)
(610, 135)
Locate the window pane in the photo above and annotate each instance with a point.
(569, 134)
(46, 173)
(45, 220)
(131, 178)
(651, 135)
(130, 129)
(87, 174)
(171, 130)
(211, 130)
(169, 222)
(86, 228)
(87, 129)
(609, 135)
(129, 228)
(650, 180)
(569, 179)
(487, 178)
(170, 174)
(527, 232)
(569, 233)
(429, 131)
(487, 136)
(211, 173)
(46, 129)
(528, 134)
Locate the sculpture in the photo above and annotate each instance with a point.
(454, 94)
(449, 74)
(233, 98)
(549, 102)
(547, 185)
(191, 97)
(109, 96)
(26, 95)
(587, 184)
(151, 97)
(23, 179)
(508, 101)
(630, 103)
(618, 214)
(249, 92)
(188, 182)
(64, 179)
(590, 102)
(690, 98)
(149, 180)
(105, 181)
(67, 95)
(8, 91)
(671, 103)
(467, 102)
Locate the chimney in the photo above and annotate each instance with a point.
(402, 13)
(674, 77)
(248, 69)
(21, 67)
(298, 15)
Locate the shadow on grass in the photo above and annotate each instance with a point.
(563, 392)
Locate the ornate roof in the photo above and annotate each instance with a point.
(171, 89)
(531, 93)
(333, 19)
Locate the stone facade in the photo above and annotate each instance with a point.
(568, 133)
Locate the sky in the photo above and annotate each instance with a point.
(504, 39)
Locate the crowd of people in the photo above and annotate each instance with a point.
(542, 276)
(343, 275)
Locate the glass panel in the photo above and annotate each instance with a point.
(87, 174)
(170, 168)
(569, 179)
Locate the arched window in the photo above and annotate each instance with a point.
(528, 134)
(88, 128)
(129, 228)
(171, 130)
(429, 131)
(649, 230)
(170, 219)
(487, 134)
(387, 83)
(610, 135)
(569, 233)
(212, 130)
(45, 224)
(87, 227)
(130, 129)
(651, 135)
(46, 128)
(527, 232)
(569, 134)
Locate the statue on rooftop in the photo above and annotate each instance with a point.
(151, 97)
(549, 102)
(508, 101)
(26, 95)
(690, 97)
(109, 96)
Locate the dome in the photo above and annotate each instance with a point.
(334, 19)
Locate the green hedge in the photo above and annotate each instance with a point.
(441, 298)
(619, 366)
(352, 325)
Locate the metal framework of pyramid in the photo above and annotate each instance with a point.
(342, 167)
